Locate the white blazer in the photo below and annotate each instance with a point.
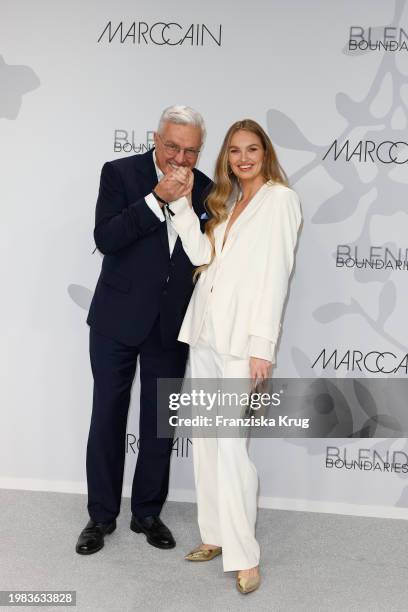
(248, 279)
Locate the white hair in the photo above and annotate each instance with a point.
(183, 115)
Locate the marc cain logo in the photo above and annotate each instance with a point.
(180, 448)
(375, 362)
(385, 152)
(161, 33)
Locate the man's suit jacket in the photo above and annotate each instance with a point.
(139, 280)
(248, 279)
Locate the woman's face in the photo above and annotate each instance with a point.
(246, 155)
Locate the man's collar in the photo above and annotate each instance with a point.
(159, 173)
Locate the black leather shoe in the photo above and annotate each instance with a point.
(157, 534)
(91, 538)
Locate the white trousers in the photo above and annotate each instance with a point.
(226, 479)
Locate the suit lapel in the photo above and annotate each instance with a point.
(243, 218)
(148, 171)
(146, 167)
(219, 232)
(164, 238)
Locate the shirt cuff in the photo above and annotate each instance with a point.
(261, 348)
(179, 206)
(154, 206)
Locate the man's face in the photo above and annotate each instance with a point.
(177, 145)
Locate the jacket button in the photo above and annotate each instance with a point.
(172, 264)
(165, 292)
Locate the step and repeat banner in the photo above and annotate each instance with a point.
(85, 82)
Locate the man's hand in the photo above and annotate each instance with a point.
(175, 184)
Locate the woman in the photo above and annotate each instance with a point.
(232, 324)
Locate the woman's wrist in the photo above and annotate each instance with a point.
(261, 348)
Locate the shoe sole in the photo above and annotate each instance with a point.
(91, 552)
(161, 546)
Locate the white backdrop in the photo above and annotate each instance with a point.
(64, 95)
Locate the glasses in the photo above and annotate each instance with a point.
(173, 149)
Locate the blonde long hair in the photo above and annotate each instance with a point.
(226, 183)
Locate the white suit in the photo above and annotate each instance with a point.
(235, 313)
(248, 279)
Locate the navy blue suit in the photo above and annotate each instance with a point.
(136, 312)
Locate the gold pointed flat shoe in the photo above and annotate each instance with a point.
(247, 584)
(201, 554)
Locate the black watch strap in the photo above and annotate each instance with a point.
(158, 197)
(165, 204)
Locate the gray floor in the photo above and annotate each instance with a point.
(310, 561)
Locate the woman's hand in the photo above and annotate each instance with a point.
(185, 177)
(174, 185)
(259, 369)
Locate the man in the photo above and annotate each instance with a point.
(136, 312)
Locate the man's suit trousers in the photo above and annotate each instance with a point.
(113, 367)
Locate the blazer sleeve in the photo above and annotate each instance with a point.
(186, 223)
(117, 224)
(261, 348)
(266, 320)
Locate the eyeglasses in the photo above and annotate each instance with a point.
(173, 149)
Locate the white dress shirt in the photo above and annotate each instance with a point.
(160, 212)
